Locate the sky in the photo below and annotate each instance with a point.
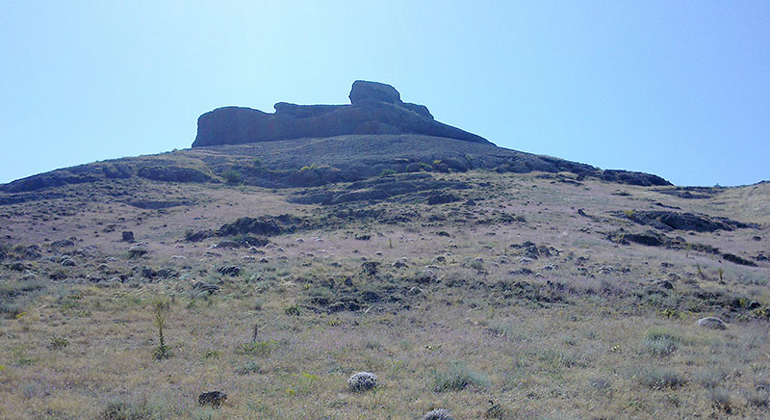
(680, 89)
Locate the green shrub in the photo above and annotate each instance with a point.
(247, 368)
(661, 341)
(121, 410)
(232, 177)
(457, 377)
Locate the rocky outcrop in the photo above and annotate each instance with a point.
(375, 108)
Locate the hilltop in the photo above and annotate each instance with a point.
(485, 281)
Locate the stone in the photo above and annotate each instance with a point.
(128, 236)
(376, 108)
(362, 381)
(439, 414)
(712, 322)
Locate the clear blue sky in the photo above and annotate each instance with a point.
(676, 88)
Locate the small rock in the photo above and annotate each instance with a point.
(213, 398)
(128, 236)
(400, 263)
(712, 322)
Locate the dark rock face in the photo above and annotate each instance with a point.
(376, 108)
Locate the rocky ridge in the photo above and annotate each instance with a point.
(375, 108)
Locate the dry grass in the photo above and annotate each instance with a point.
(580, 334)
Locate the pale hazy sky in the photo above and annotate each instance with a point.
(676, 88)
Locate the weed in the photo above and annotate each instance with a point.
(248, 368)
(261, 349)
(292, 310)
(670, 313)
(58, 343)
(658, 378)
(160, 309)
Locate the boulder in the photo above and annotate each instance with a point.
(376, 108)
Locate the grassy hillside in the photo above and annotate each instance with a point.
(490, 294)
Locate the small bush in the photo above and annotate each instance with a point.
(720, 399)
(656, 378)
(121, 410)
(247, 368)
(362, 381)
(457, 377)
(710, 377)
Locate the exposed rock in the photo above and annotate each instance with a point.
(263, 226)
(671, 220)
(738, 260)
(128, 236)
(375, 108)
(712, 322)
(633, 178)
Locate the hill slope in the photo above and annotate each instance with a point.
(552, 293)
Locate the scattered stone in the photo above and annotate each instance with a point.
(370, 267)
(206, 287)
(213, 398)
(664, 284)
(128, 236)
(362, 381)
(712, 322)
(136, 251)
(439, 414)
(230, 270)
(64, 243)
(443, 198)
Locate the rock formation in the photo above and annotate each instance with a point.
(375, 108)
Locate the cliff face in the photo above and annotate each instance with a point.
(375, 108)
